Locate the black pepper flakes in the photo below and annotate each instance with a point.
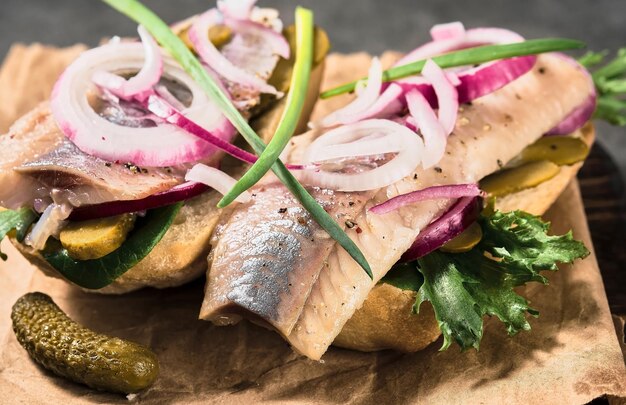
(438, 169)
(351, 203)
(415, 176)
(108, 164)
(542, 70)
(350, 224)
(282, 210)
(500, 164)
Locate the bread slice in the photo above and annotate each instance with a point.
(386, 321)
(181, 255)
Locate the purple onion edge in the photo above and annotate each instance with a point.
(447, 227)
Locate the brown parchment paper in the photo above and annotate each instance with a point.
(571, 356)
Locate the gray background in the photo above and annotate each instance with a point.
(353, 25)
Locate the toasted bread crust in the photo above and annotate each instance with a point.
(389, 308)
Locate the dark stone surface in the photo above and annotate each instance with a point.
(374, 26)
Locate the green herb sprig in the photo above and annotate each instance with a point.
(175, 46)
(610, 82)
(464, 287)
(471, 56)
(291, 115)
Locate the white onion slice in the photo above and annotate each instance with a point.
(274, 39)
(218, 62)
(450, 30)
(472, 37)
(365, 99)
(400, 139)
(49, 224)
(142, 82)
(431, 129)
(163, 145)
(215, 179)
(447, 96)
(239, 9)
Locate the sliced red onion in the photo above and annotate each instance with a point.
(450, 30)
(240, 9)
(447, 96)
(430, 193)
(142, 82)
(400, 139)
(581, 114)
(162, 145)
(214, 58)
(274, 39)
(577, 118)
(475, 82)
(472, 37)
(49, 224)
(432, 131)
(216, 179)
(447, 227)
(366, 97)
(176, 194)
(162, 109)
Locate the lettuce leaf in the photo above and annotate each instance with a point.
(464, 287)
(20, 220)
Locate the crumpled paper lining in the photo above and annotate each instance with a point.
(572, 354)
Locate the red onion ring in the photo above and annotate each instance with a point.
(181, 192)
(362, 104)
(470, 38)
(577, 118)
(447, 227)
(142, 82)
(239, 9)
(450, 30)
(216, 179)
(214, 58)
(429, 193)
(435, 137)
(397, 138)
(581, 114)
(163, 145)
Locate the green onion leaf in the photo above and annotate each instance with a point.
(291, 115)
(98, 273)
(471, 56)
(175, 46)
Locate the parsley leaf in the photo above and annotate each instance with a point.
(20, 220)
(610, 82)
(464, 287)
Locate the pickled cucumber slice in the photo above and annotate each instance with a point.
(561, 150)
(465, 241)
(519, 178)
(96, 238)
(66, 348)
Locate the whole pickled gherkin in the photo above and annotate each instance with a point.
(75, 352)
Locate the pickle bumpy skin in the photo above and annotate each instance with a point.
(75, 352)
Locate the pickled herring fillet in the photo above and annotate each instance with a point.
(37, 160)
(268, 254)
(488, 134)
